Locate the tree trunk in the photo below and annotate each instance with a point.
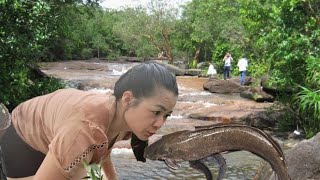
(167, 46)
(196, 56)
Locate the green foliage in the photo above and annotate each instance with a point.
(147, 32)
(313, 75)
(307, 99)
(309, 108)
(192, 64)
(93, 170)
(287, 46)
(256, 69)
(207, 25)
(25, 28)
(86, 53)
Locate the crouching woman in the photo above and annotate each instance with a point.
(51, 135)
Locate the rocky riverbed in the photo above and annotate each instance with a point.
(195, 107)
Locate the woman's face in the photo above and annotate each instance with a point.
(149, 115)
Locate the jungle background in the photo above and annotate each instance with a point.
(280, 39)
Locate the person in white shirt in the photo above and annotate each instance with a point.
(211, 70)
(242, 64)
(227, 66)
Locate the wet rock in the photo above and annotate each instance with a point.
(257, 94)
(75, 84)
(222, 86)
(263, 119)
(129, 59)
(206, 117)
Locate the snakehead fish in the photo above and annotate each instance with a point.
(210, 140)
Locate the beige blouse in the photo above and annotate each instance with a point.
(73, 125)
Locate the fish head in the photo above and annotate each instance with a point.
(164, 147)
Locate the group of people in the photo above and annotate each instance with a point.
(227, 59)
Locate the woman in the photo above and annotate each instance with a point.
(52, 135)
(227, 66)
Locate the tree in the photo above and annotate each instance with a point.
(212, 23)
(25, 27)
(153, 25)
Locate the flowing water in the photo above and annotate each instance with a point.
(241, 165)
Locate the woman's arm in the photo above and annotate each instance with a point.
(48, 170)
(108, 168)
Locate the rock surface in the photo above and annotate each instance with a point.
(257, 94)
(215, 85)
(303, 161)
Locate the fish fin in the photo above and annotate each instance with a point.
(222, 165)
(172, 164)
(201, 167)
(220, 161)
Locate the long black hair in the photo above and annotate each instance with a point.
(142, 80)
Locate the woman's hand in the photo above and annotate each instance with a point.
(108, 169)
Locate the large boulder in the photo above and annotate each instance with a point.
(303, 161)
(248, 81)
(257, 94)
(222, 86)
(175, 70)
(263, 119)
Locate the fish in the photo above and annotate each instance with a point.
(210, 140)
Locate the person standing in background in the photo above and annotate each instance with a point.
(243, 64)
(211, 71)
(227, 66)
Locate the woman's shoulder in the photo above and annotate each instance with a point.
(77, 142)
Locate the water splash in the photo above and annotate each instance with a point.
(101, 90)
(179, 116)
(121, 151)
